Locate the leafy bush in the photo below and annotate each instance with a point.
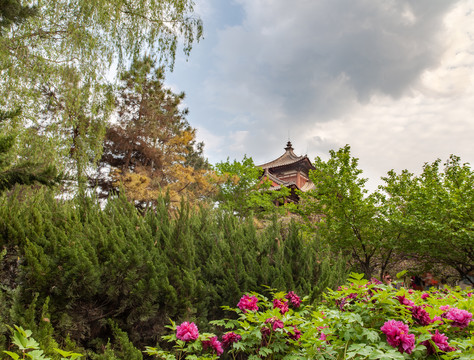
(361, 320)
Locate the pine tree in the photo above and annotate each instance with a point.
(152, 149)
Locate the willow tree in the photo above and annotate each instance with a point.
(88, 40)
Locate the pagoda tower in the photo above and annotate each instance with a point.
(289, 170)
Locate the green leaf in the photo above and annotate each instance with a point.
(20, 339)
(68, 354)
(371, 335)
(13, 355)
(264, 351)
(37, 355)
(355, 276)
(401, 274)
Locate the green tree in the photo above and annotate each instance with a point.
(349, 218)
(12, 12)
(83, 109)
(243, 190)
(16, 171)
(435, 213)
(71, 48)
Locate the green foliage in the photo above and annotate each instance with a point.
(15, 171)
(120, 348)
(350, 219)
(348, 325)
(78, 267)
(56, 59)
(243, 190)
(30, 348)
(13, 12)
(435, 213)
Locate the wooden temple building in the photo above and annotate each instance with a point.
(289, 170)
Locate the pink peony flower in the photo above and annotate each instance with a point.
(275, 322)
(282, 305)
(229, 338)
(420, 315)
(278, 324)
(375, 281)
(440, 340)
(187, 331)
(294, 299)
(460, 318)
(214, 344)
(295, 334)
(398, 336)
(404, 301)
(425, 296)
(248, 302)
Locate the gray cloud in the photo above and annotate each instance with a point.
(392, 78)
(316, 57)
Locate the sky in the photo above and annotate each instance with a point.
(394, 79)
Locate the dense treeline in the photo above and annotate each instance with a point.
(111, 271)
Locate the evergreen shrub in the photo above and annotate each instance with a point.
(99, 273)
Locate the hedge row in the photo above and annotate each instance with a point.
(101, 271)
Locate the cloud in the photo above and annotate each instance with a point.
(317, 58)
(391, 78)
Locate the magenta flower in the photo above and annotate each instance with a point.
(420, 315)
(187, 331)
(278, 324)
(294, 299)
(275, 322)
(398, 336)
(214, 344)
(230, 338)
(404, 301)
(282, 305)
(460, 318)
(440, 340)
(295, 334)
(375, 281)
(248, 302)
(425, 296)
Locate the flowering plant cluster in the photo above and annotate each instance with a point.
(380, 321)
(189, 342)
(361, 320)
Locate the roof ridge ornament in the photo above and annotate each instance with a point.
(289, 146)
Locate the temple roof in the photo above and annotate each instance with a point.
(288, 158)
(273, 178)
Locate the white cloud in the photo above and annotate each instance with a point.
(391, 78)
(237, 141)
